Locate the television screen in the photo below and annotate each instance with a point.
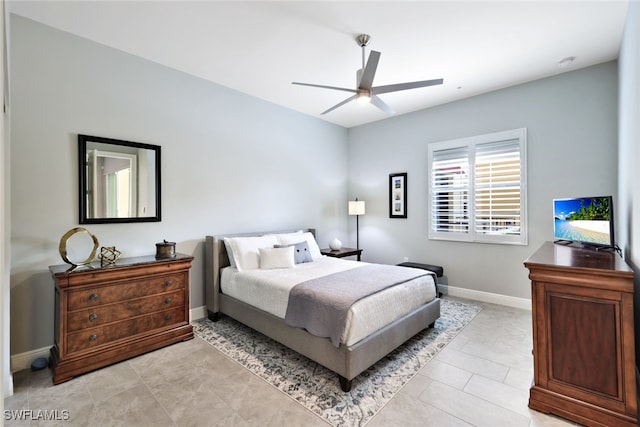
(587, 220)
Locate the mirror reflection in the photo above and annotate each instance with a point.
(119, 180)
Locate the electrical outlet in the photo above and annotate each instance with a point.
(406, 259)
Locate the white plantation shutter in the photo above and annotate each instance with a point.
(497, 188)
(450, 187)
(477, 188)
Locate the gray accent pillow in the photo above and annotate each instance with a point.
(301, 252)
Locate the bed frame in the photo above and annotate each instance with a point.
(347, 361)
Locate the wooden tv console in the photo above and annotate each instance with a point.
(583, 336)
(104, 315)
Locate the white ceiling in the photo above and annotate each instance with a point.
(260, 47)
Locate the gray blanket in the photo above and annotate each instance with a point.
(320, 305)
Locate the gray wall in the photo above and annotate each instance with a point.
(235, 163)
(571, 120)
(230, 162)
(629, 172)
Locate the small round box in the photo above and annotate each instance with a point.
(166, 249)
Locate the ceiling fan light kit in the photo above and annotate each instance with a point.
(363, 97)
(365, 92)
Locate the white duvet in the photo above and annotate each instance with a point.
(268, 290)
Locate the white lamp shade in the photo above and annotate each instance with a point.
(356, 207)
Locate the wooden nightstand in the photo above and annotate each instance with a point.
(341, 253)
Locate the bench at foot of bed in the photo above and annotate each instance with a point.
(441, 280)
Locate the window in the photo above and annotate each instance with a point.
(477, 188)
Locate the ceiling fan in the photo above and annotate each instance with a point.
(365, 91)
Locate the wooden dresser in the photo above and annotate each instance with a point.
(583, 336)
(104, 315)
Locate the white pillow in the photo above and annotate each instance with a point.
(271, 258)
(227, 245)
(246, 250)
(296, 234)
(290, 239)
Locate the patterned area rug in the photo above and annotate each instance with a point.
(316, 387)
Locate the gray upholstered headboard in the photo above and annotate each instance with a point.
(216, 259)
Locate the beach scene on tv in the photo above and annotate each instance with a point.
(583, 220)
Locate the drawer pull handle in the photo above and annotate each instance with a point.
(93, 297)
(93, 337)
(167, 317)
(93, 317)
(168, 283)
(168, 300)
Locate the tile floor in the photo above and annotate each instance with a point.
(481, 378)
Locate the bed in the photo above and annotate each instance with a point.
(371, 331)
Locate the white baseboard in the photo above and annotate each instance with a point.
(198, 313)
(508, 301)
(22, 361)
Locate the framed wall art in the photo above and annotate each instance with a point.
(398, 195)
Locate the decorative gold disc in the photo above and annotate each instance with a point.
(63, 246)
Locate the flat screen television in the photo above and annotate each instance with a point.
(585, 220)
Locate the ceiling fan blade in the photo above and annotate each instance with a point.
(375, 100)
(325, 87)
(405, 86)
(366, 81)
(351, 98)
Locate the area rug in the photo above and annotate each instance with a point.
(316, 387)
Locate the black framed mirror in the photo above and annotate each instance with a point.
(119, 181)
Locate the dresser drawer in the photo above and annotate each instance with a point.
(96, 337)
(101, 315)
(99, 295)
